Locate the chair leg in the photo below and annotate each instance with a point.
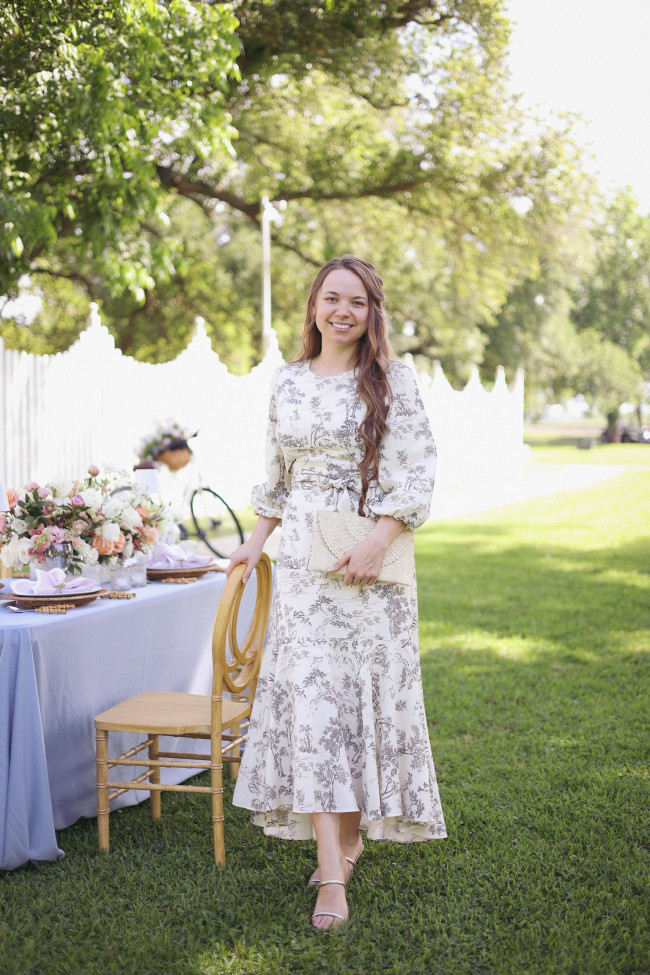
(155, 796)
(236, 752)
(216, 783)
(103, 810)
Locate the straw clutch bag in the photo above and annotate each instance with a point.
(336, 532)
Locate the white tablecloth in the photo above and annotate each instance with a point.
(58, 672)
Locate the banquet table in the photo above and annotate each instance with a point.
(58, 672)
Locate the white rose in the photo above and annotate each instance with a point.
(110, 531)
(9, 554)
(19, 526)
(131, 519)
(92, 497)
(23, 547)
(89, 553)
(128, 549)
(60, 487)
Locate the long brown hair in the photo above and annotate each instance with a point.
(375, 355)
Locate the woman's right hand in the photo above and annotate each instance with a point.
(250, 553)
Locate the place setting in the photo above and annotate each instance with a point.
(181, 563)
(52, 591)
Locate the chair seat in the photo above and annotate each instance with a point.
(169, 713)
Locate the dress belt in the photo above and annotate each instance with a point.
(346, 487)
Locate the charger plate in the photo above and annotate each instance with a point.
(190, 573)
(67, 599)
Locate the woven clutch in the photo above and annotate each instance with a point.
(336, 532)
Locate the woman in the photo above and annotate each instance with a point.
(338, 737)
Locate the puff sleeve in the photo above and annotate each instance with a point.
(407, 457)
(269, 499)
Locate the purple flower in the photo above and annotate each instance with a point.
(77, 501)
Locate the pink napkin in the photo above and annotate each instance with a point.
(52, 583)
(174, 557)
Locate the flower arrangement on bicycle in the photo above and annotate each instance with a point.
(168, 444)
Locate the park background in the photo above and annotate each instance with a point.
(138, 143)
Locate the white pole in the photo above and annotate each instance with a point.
(266, 274)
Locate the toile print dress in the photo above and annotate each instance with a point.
(338, 722)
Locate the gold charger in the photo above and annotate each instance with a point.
(190, 573)
(65, 599)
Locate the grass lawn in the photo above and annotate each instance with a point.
(535, 636)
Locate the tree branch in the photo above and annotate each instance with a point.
(69, 276)
(278, 242)
(185, 186)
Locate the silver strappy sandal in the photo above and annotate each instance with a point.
(314, 882)
(324, 883)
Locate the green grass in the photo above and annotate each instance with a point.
(535, 632)
(624, 454)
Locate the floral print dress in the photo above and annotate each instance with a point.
(338, 722)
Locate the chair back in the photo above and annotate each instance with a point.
(236, 667)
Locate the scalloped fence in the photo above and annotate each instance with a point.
(92, 404)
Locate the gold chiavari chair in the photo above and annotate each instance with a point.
(156, 713)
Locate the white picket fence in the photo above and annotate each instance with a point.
(91, 404)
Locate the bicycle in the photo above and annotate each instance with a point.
(216, 524)
(213, 521)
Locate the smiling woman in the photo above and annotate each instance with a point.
(338, 738)
(341, 316)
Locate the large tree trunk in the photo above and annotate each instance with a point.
(612, 433)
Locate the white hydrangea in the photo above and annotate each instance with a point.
(113, 508)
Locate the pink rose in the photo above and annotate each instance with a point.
(43, 493)
(93, 470)
(77, 501)
(12, 497)
(3, 524)
(30, 486)
(102, 545)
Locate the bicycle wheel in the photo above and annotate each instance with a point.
(215, 522)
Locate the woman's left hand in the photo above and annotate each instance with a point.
(364, 563)
(365, 560)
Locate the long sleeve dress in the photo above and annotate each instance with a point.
(338, 722)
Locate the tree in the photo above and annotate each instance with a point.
(91, 97)
(614, 299)
(384, 128)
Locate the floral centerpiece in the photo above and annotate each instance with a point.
(72, 523)
(168, 444)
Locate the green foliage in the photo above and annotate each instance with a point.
(534, 637)
(614, 299)
(92, 98)
(383, 129)
(579, 322)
